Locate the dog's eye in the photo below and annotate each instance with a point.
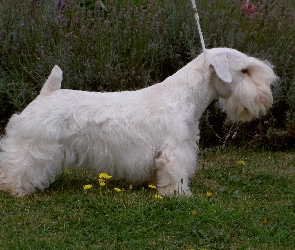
(245, 71)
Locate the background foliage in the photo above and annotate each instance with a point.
(116, 45)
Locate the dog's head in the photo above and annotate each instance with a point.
(242, 83)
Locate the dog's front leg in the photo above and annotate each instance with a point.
(171, 178)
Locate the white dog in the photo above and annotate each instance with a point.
(149, 135)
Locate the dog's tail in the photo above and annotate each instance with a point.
(53, 81)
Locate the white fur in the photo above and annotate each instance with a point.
(148, 135)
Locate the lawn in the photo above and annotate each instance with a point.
(243, 199)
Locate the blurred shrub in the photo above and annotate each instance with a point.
(122, 45)
(116, 45)
(267, 33)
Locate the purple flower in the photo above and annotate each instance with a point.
(70, 48)
(60, 5)
(22, 24)
(58, 18)
(256, 134)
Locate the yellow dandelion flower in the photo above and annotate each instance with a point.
(159, 197)
(104, 176)
(152, 186)
(264, 221)
(241, 163)
(87, 186)
(101, 182)
(117, 190)
(209, 194)
(67, 171)
(194, 212)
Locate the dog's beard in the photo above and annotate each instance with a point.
(235, 110)
(248, 101)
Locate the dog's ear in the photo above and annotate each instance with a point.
(221, 66)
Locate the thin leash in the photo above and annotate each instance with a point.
(198, 24)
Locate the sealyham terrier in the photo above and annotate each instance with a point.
(144, 136)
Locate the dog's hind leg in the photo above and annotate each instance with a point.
(24, 171)
(28, 163)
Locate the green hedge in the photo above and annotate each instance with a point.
(124, 44)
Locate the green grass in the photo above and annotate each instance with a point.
(252, 207)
